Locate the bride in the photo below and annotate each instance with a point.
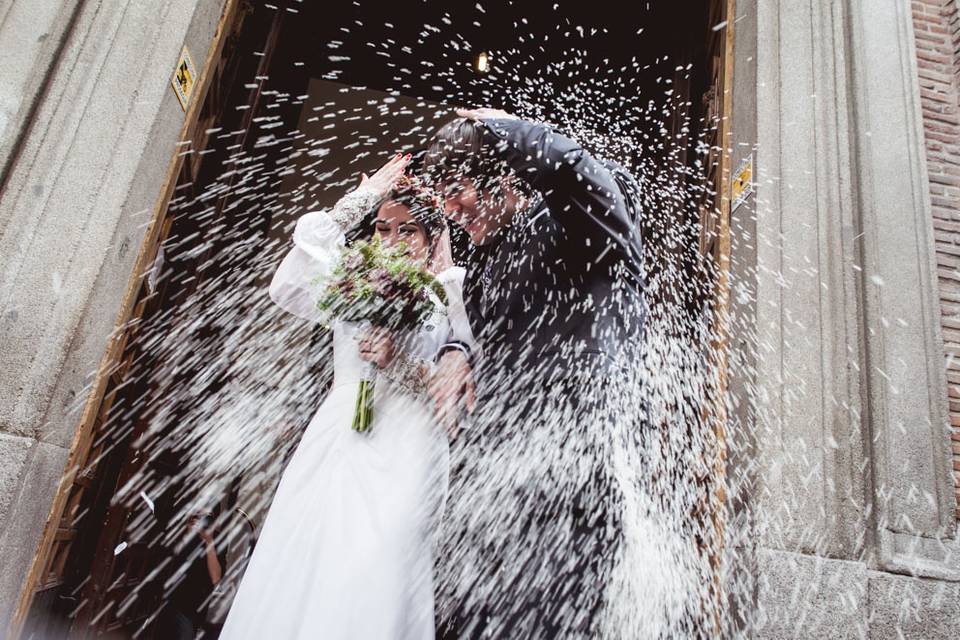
(346, 548)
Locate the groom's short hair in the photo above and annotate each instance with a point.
(457, 151)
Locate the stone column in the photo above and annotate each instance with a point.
(89, 132)
(852, 485)
(913, 517)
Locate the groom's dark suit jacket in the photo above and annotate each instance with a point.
(562, 286)
(553, 302)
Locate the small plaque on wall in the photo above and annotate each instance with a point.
(184, 78)
(742, 186)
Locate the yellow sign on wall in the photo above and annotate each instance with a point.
(742, 186)
(184, 78)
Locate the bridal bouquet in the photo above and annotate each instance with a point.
(382, 287)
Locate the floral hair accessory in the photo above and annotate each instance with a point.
(426, 205)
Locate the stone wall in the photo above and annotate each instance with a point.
(936, 26)
(852, 495)
(88, 126)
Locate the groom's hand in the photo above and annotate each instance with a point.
(452, 387)
(484, 113)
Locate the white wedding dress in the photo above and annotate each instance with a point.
(346, 551)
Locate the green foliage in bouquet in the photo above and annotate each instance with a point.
(381, 285)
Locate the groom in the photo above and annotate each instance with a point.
(554, 293)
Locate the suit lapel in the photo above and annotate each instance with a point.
(501, 279)
(497, 280)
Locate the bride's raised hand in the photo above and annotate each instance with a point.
(386, 177)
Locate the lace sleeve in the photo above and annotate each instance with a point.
(352, 208)
(318, 242)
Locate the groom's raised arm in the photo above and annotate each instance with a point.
(580, 190)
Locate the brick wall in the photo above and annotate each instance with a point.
(937, 28)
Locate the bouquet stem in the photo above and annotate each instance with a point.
(363, 412)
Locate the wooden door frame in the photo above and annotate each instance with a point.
(84, 434)
(721, 311)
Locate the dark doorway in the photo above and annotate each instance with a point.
(305, 97)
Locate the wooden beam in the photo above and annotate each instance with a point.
(722, 310)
